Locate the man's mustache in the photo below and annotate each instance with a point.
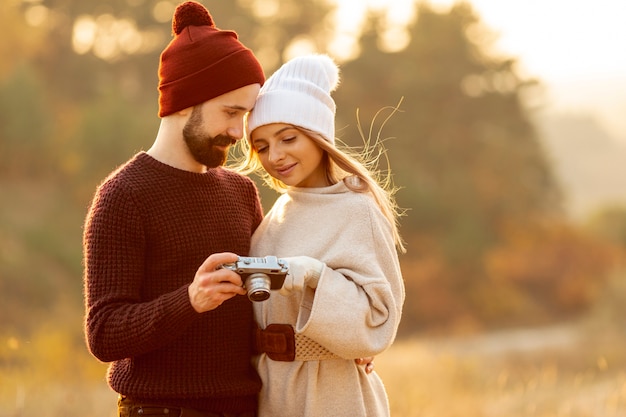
(223, 140)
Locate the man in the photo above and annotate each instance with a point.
(158, 307)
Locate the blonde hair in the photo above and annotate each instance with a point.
(358, 170)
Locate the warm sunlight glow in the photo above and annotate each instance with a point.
(163, 10)
(299, 46)
(266, 8)
(128, 37)
(551, 36)
(559, 37)
(36, 15)
(350, 16)
(106, 36)
(106, 42)
(574, 47)
(84, 34)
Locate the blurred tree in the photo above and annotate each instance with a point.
(92, 45)
(94, 51)
(80, 97)
(110, 130)
(557, 271)
(609, 223)
(21, 42)
(464, 150)
(287, 27)
(24, 124)
(128, 35)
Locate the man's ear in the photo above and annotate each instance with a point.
(185, 112)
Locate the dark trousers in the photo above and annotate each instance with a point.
(129, 408)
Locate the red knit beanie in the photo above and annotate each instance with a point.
(202, 61)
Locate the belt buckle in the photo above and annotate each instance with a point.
(278, 341)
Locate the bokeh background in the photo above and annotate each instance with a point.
(503, 131)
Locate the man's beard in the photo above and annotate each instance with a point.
(203, 147)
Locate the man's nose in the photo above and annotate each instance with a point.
(236, 130)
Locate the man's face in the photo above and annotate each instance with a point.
(208, 150)
(223, 114)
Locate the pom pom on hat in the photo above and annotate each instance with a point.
(190, 14)
(298, 93)
(202, 62)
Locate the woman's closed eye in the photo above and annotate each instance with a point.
(259, 145)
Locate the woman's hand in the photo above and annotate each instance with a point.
(368, 362)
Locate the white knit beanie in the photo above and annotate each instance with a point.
(298, 93)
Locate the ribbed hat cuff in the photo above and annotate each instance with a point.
(210, 82)
(294, 108)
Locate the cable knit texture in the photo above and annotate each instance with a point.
(149, 228)
(354, 312)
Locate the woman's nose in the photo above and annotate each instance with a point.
(275, 154)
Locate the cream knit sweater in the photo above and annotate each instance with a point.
(354, 312)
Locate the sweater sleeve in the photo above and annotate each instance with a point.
(117, 324)
(356, 309)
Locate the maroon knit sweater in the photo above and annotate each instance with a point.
(149, 228)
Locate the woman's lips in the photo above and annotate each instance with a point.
(286, 170)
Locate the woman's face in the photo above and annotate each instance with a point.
(289, 155)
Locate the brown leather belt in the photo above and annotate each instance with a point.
(280, 343)
(130, 408)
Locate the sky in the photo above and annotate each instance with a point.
(575, 47)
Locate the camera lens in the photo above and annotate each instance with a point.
(258, 286)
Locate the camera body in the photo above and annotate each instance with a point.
(260, 275)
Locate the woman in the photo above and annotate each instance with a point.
(336, 226)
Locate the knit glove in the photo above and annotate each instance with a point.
(303, 271)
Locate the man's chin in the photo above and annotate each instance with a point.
(213, 164)
(216, 159)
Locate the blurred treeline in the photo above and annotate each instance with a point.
(489, 241)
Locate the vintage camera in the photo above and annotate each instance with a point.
(260, 275)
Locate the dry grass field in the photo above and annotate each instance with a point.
(570, 370)
(574, 369)
(564, 371)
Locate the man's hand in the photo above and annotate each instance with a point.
(213, 285)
